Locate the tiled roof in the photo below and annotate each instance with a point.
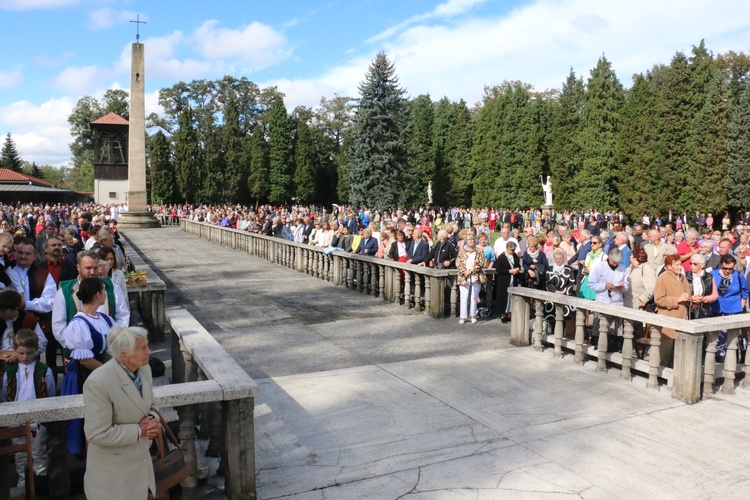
(7, 175)
(110, 119)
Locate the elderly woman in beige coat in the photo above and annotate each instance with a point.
(118, 398)
(672, 297)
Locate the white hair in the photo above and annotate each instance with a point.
(121, 339)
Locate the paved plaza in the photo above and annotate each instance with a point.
(364, 399)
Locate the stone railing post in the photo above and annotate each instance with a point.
(239, 436)
(559, 325)
(580, 335)
(603, 346)
(538, 324)
(730, 361)
(686, 381)
(709, 366)
(627, 350)
(187, 429)
(519, 321)
(654, 358)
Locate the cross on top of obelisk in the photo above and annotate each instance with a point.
(138, 23)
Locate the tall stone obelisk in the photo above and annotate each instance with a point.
(137, 214)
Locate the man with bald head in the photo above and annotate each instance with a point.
(687, 248)
(443, 254)
(655, 249)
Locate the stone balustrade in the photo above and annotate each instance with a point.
(695, 369)
(149, 297)
(432, 291)
(202, 374)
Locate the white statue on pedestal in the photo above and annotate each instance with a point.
(547, 188)
(429, 193)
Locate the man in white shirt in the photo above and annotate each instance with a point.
(502, 241)
(66, 304)
(36, 285)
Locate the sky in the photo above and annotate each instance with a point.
(53, 52)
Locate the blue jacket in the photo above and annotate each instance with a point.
(368, 247)
(731, 301)
(420, 255)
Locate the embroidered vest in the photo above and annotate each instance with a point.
(70, 303)
(40, 380)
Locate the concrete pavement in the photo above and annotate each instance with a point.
(362, 399)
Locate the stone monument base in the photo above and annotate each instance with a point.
(547, 207)
(134, 220)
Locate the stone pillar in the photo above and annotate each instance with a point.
(137, 214)
(686, 376)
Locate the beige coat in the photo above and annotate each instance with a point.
(666, 292)
(642, 280)
(118, 464)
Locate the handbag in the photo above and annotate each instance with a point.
(170, 468)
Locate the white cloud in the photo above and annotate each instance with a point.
(78, 80)
(35, 4)
(41, 132)
(451, 8)
(106, 17)
(256, 44)
(9, 79)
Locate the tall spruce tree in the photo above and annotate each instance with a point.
(486, 149)
(9, 157)
(640, 182)
(737, 184)
(305, 157)
(280, 153)
(161, 171)
(255, 154)
(421, 151)
(597, 177)
(565, 149)
(235, 171)
(379, 172)
(188, 160)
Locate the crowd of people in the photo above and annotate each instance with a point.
(64, 300)
(63, 294)
(593, 255)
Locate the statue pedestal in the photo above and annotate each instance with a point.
(547, 207)
(133, 220)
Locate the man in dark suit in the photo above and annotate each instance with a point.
(367, 245)
(443, 254)
(309, 226)
(419, 249)
(352, 223)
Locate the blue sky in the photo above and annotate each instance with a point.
(53, 52)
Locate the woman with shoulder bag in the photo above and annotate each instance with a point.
(470, 265)
(703, 291)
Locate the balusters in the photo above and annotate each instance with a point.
(187, 424)
(417, 291)
(601, 364)
(381, 282)
(730, 361)
(627, 350)
(580, 335)
(559, 324)
(427, 295)
(407, 289)
(538, 324)
(454, 297)
(709, 370)
(654, 357)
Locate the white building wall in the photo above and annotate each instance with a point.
(106, 192)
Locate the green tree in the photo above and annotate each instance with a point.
(421, 150)
(641, 183)
(9, 157)
(235, 171)
(57, 176)
(188, 158)
(305, 157)
(161, 171)
(597, 177)
(255, 154)
(565, 149)
(737, 184)
(378, 167)
(280, 153)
